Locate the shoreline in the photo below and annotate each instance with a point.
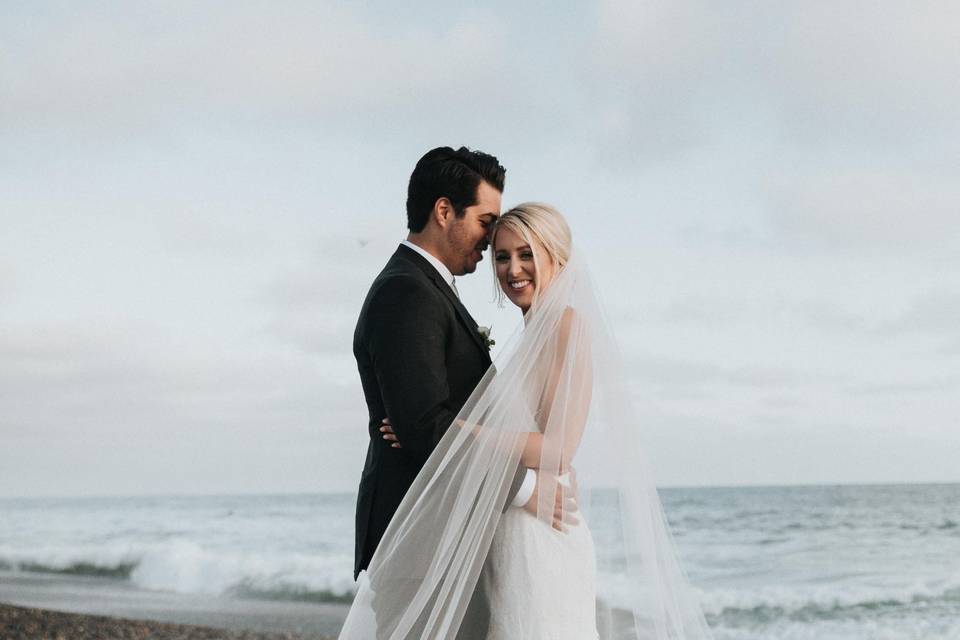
(65, 607)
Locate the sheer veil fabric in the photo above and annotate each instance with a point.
(557, 379)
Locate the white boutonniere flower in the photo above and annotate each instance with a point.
(485, 336)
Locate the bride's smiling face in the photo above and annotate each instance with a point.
(516, 270)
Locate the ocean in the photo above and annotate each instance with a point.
(826, 562)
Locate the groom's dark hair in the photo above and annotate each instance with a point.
(455, 175)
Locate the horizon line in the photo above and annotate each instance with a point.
(233, 494)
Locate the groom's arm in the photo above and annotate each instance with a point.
(521, 487)
(407, 345)
(406, 340)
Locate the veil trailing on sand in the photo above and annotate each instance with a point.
(557, 382)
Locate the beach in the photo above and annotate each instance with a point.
(26, 623)
(38, 605)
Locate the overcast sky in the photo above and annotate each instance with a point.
(195, 197)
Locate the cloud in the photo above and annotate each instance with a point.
(739, 309)
(670, 78)
(653, 369)
(315, 306)
(936, 312)
(930, 387)
(88, 410)
(932, 314)
(650, 74)
(848, 72)
(950, 348)
(198, 197)
(119, 382)
(296, 60)
(903, 211)
(7, 280)
(832, 317)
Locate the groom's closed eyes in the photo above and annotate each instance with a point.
(487, 221)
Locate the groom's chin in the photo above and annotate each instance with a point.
(470, 265)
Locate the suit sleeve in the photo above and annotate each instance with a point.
(407, 336)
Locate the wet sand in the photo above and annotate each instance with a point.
(66, 607)
(24, 623)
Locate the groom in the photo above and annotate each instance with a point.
(419, 352)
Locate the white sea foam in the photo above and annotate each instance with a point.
(186, 567)
(899, 629)
(828, 596)
(815, 600)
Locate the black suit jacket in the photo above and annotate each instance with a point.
(420, 357)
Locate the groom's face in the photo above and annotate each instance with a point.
(469, 236)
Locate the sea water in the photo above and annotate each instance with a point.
(825, 562)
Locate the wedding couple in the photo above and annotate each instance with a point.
(471, 522)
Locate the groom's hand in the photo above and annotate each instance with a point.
(388, 434)
(564, 503)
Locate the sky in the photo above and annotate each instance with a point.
(194, 198)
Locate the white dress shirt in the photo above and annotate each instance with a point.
(530, 480)
(433, 260)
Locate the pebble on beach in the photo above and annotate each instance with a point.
(24, 623)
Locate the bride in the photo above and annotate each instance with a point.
(453, 564)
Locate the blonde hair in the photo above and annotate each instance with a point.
(540, 225)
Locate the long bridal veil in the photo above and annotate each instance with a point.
(558, 378)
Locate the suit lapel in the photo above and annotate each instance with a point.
(461, 310)
(428, 269)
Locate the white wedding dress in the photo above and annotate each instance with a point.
(540, 583)
(450, 546)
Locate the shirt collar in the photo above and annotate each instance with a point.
(439, 266)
